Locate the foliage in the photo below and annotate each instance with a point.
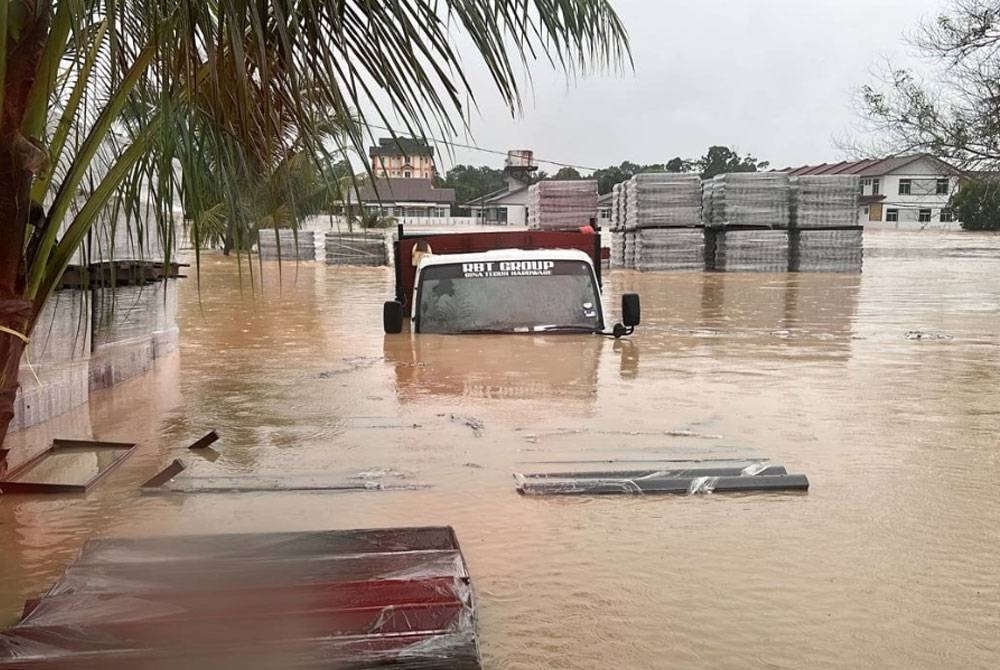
(956, 115)
(567, 174)
(472, 182)
(722, 160)
(977, 204)
(678, 164)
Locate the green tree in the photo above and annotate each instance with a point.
(953, 110)
(679, 164)
(472, 182)
(977, 204)
(722, 160)
(567, 174)
(103, 103)
(615, 174)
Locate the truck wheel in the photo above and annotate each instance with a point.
(392, 316)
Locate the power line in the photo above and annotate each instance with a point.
(490, 151)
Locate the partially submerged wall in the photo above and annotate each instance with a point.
(55, 368)
(93, 338)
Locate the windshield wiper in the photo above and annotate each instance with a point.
(565, 329)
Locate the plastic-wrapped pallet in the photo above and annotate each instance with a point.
(823, 201)
(751, 250)
(630, 243)
(707, 188)
(562, 205)
(618, 249)
(670, 249)
(616, 192)
(831, 250)
(663, 199)
(751, 199)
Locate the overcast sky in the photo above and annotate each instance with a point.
(771, 77)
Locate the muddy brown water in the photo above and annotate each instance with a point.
(891, 560)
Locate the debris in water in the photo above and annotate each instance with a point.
(926, 335)
(476, 466)
(351, 364)
(691, 433)
(399, 597)
(475, 424)
(688, 480)
(71, 466)
(203, 442)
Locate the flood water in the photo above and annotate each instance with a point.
(891, 560)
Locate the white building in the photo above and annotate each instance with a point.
(905, 192)
(508, 205)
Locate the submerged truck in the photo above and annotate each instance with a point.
(506, 282)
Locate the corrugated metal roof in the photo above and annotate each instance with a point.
(401, 146)
(870, 167)
(401, 189)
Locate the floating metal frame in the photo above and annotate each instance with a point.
(10, 486)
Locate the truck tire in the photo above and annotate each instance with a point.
(392, 317)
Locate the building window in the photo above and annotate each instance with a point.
(892, 215)
(924, 216)
(904, 187)
(866, 210)
(874, 186)
(947, 216)
(407, 174)
(942, 186)
(395, 173)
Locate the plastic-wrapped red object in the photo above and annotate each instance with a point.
(328, 599)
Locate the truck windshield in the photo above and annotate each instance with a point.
(508, 296)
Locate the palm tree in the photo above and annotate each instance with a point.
(194, 104)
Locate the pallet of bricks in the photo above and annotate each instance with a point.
(750, 217)
(825, 235)
(617, 227)
(562, 205)
(663, 223)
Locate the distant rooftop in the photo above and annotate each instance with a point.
(871, 167)
(401, 146)
(402, 189)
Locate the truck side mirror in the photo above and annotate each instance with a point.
(392, 316)
(631, 313)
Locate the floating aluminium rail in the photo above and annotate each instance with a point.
(747, 478)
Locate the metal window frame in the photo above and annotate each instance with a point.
(10, 485)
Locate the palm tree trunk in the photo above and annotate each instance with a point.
(20, 159)
(15, 312)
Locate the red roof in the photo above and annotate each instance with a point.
(870, 167)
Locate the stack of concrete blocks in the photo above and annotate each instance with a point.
(287, 244)
(617, 227)
(132, 325)
(55, 369)
(664, 216)
(94, 338)
(562, 205)
(825, 235)
(367, 249)
(750, 215)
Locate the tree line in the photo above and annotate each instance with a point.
(472, 182)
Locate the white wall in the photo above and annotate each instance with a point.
(923, 175)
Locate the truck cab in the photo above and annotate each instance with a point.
(502, 290)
